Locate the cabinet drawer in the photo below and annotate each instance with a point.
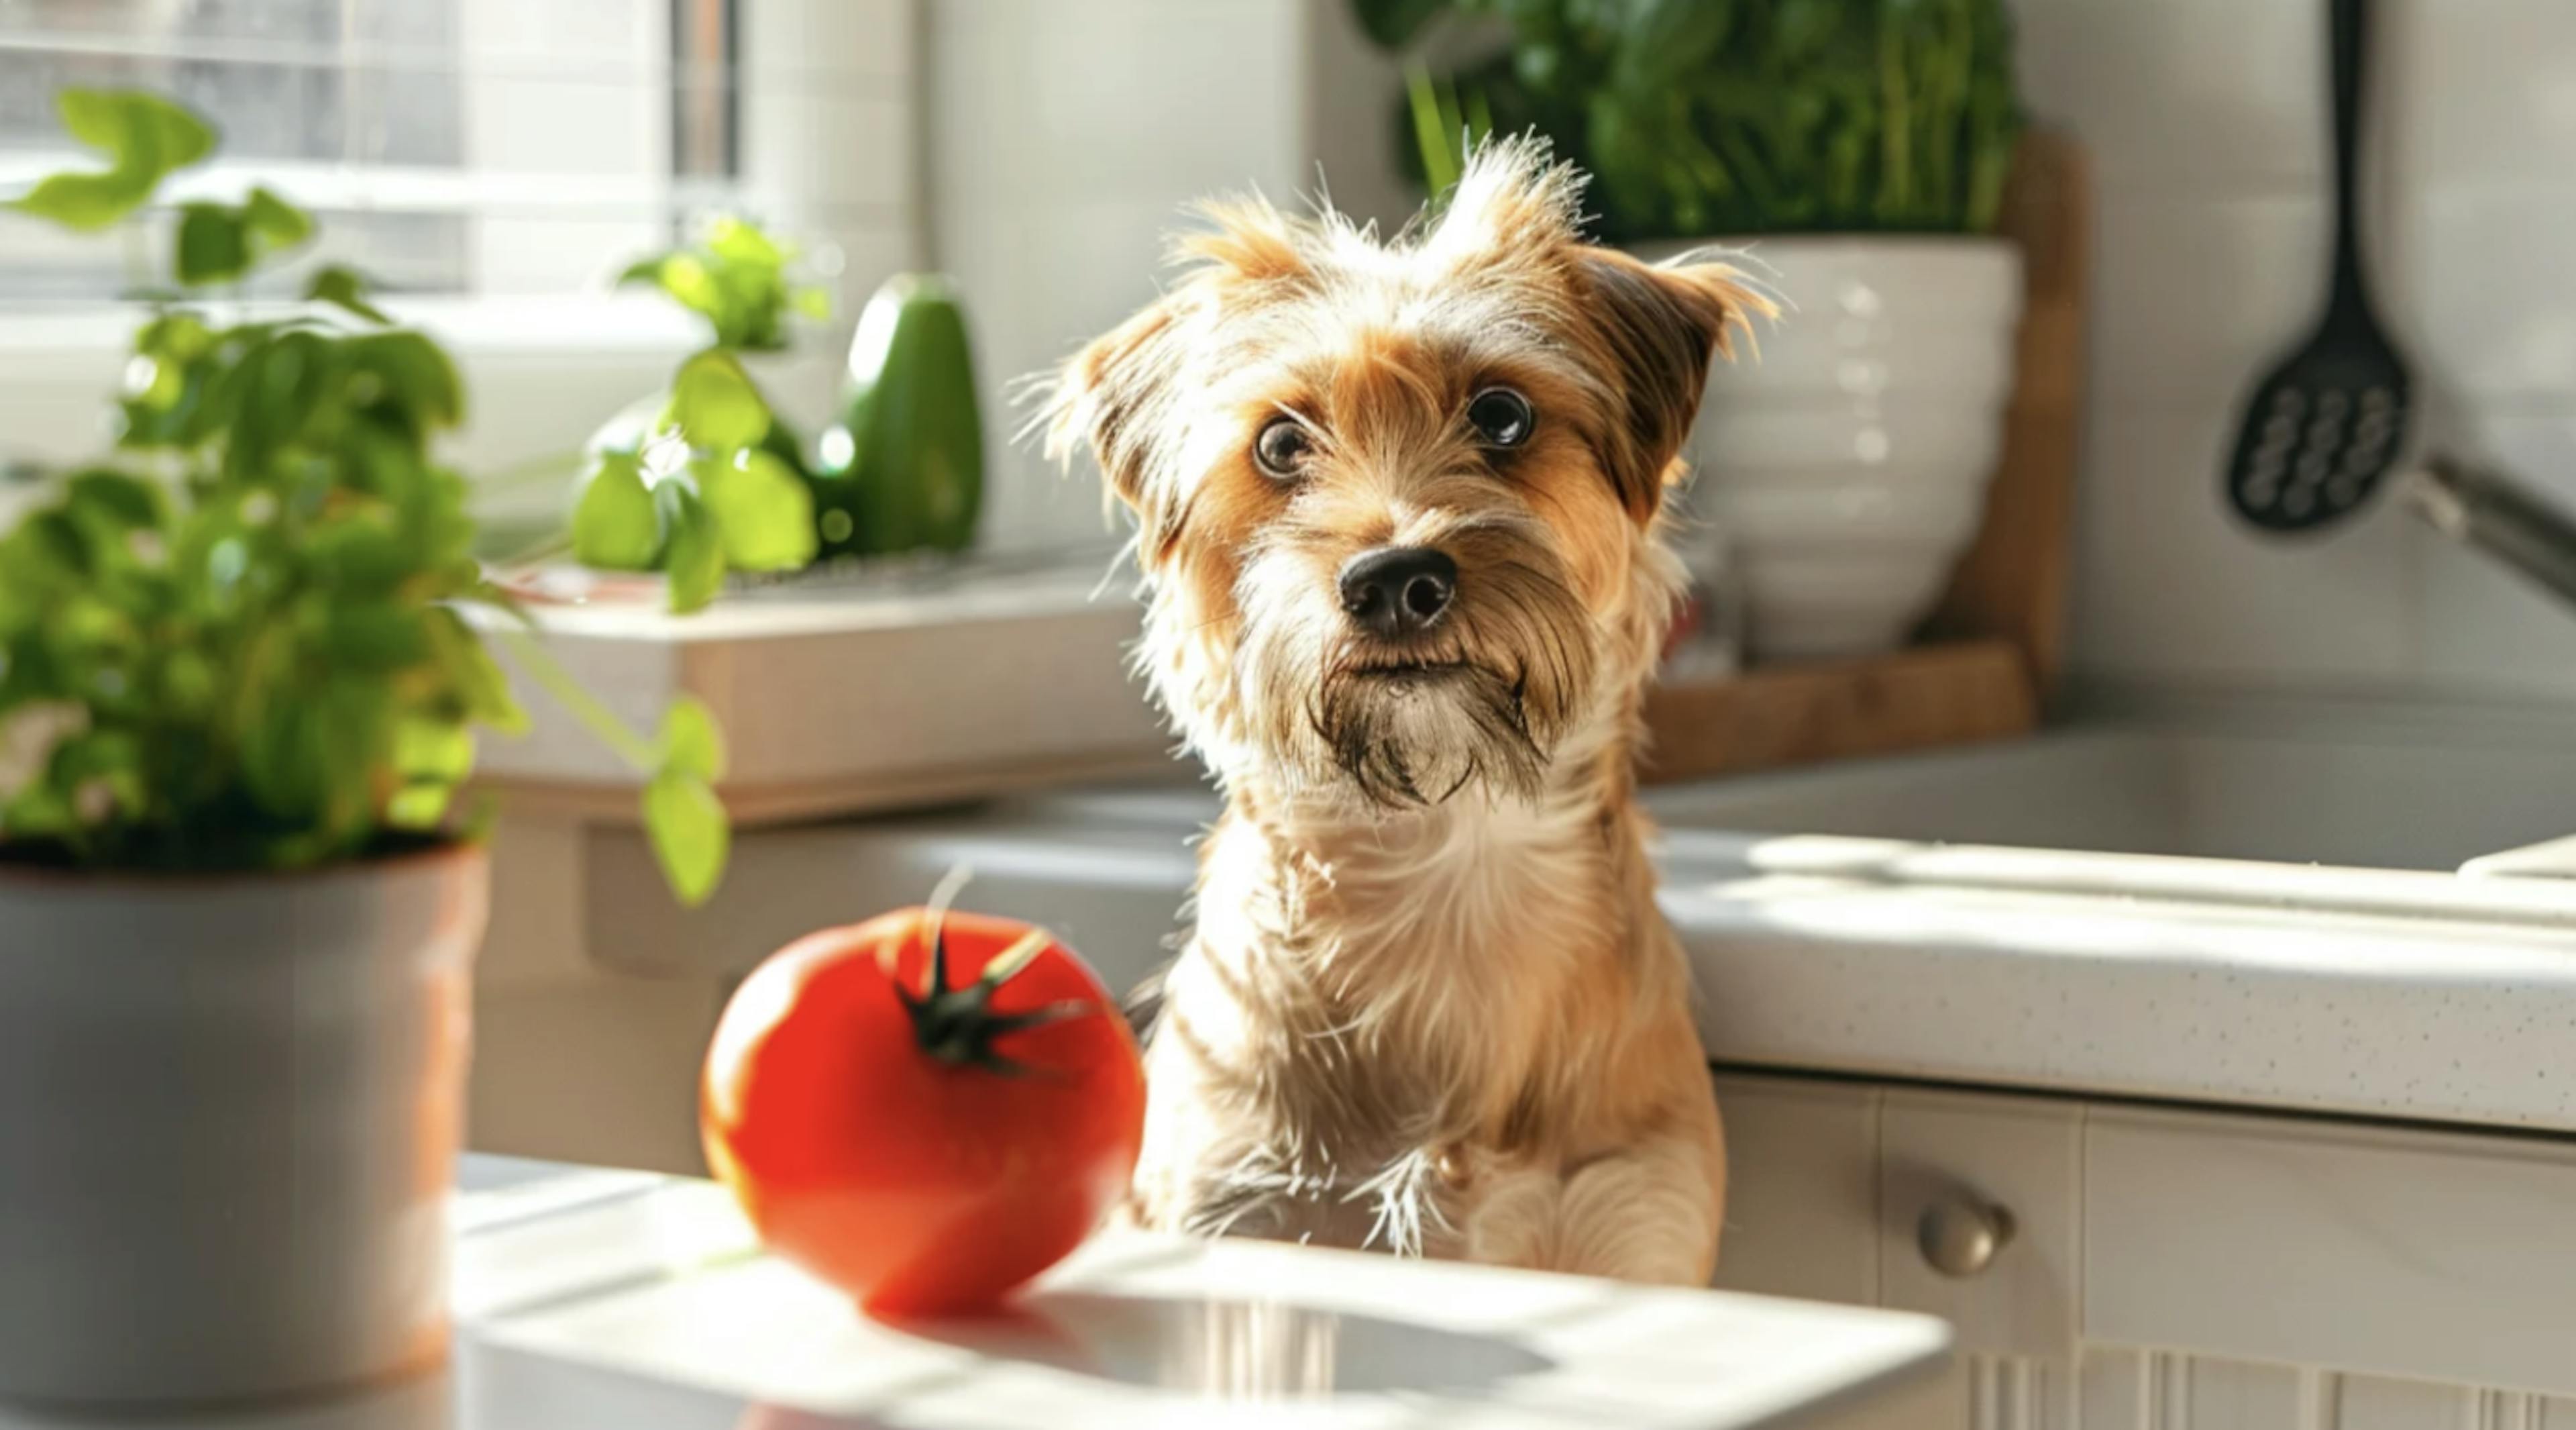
(2416, 1254)
(1802, 1189)
(1953, 1155)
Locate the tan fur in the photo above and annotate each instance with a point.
(1429, 1003)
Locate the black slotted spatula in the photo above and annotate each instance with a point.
(2328, 423)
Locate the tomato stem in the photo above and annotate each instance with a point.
(957, 1026)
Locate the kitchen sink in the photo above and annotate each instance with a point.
(2375, 796)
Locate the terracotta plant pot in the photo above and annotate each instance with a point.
(231, 1106)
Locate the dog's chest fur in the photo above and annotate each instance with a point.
(1378, 1015)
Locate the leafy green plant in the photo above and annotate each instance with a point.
(706, 478)
(741, 279)
(240, 639)
(1706, 117)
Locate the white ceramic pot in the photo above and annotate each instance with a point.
(1845, 467)
(231, 1108)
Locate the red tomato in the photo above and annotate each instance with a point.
(924, 1132)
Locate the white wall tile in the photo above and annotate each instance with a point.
(2195, 296)
(2488, 87)
(812, 151)
(849, 42)
(1064, 141)
(2206, 121)
(2172, 587)
(2485, 627)
(2492, 295)
(2220, 95)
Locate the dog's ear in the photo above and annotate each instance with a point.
(1119, 396)
(1112, 397)
(1656, 330)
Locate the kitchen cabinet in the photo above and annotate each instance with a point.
(2116, 1267)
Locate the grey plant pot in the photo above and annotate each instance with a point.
(229, 1113)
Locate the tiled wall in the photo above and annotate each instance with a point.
(1064, 139)
(2206, 122)
(1065, 136)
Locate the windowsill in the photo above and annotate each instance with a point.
(542, 373)
(38, 343)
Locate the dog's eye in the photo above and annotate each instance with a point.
(1282, 447)
(1501, 416)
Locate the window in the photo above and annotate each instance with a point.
(491, 162)
(450, 146)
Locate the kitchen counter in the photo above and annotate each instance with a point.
(2250, 982)
(2388, 994)
(628, 1301)
(2113, 909)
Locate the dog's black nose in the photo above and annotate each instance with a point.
(1398, 590)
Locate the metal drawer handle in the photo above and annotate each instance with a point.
(1960, 1236)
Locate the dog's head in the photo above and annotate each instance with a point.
(1398, 502)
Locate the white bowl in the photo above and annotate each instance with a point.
(1845, 467)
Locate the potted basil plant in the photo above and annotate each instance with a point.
(1854, 153)
(239, 693)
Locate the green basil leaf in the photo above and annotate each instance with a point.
(417, 378)
(715, 404)
(1666, 39)
(361, 557)
(473, 674)
(115, 500)
(693, 559)
(145, 138)
(38, 811)
(419, 805)
(49, 546)
(615, 526)
(85, 202)
(284, 763)
(737, 244)
(274, 222)
(214, 245)
(374, 636)
(219, 243)
(689, 741)
(687, 827)
(346, 288)
(102, 770)
(1392, 24)
(137, 128)
(426, 749)
(764, 514)
(687, 280)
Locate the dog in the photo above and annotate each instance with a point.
(1399, 511)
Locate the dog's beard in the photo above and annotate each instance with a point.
(1480, 702)
(1419, 735)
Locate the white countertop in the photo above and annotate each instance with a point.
(2247, 981)
(626, 1301)
(2157, 979)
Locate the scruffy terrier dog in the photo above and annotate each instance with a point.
(1398, 510)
